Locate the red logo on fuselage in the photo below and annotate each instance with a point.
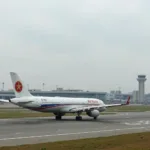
(18, 86)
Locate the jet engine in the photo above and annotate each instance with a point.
(93, 113)
(102, 109)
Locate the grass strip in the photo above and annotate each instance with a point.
(141, 108)
(140, 141)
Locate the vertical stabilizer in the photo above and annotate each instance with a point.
(19, 87)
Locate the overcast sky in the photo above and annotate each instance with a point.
(97, 45)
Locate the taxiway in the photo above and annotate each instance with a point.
(47, 129)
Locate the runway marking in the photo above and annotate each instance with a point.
(66, 134)
(18, 133)
(146, 122)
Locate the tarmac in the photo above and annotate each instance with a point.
(47, 129)
(8, 105)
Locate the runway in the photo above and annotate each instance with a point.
(39, 130)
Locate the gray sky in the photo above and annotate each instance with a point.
(86, 44)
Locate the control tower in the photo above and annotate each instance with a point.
(141, 79)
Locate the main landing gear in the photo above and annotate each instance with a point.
(58, 117)
(79, 117)
(95, 118)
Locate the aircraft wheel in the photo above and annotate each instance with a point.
(78, 118)
(58, 117)
(95, 118)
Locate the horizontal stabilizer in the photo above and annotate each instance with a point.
(4, 101)
(24, 103)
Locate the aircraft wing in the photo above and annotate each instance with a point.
(114, 105)
(84, 108)
(4, 101)
(24, 103)
(98, 107)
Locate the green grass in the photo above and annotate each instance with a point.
(136, 141)
(141, 108)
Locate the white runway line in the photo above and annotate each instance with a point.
(66, 134)
(138, 123)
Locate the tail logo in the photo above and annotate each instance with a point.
(18, 86)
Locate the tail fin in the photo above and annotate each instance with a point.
(19, 87)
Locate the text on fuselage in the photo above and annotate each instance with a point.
(92, 101)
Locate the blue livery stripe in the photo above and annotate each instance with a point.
(44, 106)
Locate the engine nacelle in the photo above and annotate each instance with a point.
(102, 109)
(93, 113)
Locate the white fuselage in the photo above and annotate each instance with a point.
(55, 104)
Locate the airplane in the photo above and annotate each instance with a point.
(59, 106)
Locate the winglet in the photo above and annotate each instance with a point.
(128, 101)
